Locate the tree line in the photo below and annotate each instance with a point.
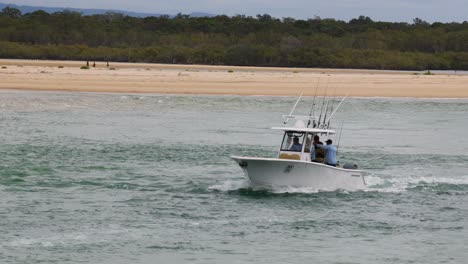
(238, 40)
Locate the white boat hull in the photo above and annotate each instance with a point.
(297, 173)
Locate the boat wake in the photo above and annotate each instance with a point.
(230, 186)
(401, 184)
(245, 185)
(374, 184)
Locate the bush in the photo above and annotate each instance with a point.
(428, 73)
(84, 67)
(60, 67)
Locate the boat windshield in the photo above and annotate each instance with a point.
(292, 141)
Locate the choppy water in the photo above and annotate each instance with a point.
(107, 178)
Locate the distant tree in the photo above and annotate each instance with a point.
(288, 20)
(361, 20)
(235, 40)
(112, 16)
(11, 12)
(264, 18)
(182, 16)
(419, 22)
(37, 14)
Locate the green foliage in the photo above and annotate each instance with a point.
(11, 12)
(84, 67)
(239, 40)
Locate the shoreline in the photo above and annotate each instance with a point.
(137, 78)
(226, 95)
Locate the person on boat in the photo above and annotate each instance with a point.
(296, 146)
(317, 154)
(317, 140)
(330, 155)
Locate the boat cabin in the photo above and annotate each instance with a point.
(297, 141)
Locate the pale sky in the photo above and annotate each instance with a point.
(378, 10)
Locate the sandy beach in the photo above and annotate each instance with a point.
(198, 79)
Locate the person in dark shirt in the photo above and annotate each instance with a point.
(317, 154)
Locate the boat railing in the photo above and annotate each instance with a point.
(299, 117)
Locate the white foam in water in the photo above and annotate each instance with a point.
(401, 184)
(230, 186)
(72, 238)
(436, 180)
(291, 189)
(374, 184)
(236, 185)
(50, 241)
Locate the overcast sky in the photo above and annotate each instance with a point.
(383, 10)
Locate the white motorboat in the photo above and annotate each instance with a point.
(294, 167)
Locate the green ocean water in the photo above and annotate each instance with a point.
(112, 178)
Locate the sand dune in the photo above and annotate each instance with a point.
(198, 79)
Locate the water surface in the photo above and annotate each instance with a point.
(111, 178)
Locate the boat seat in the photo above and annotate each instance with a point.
(289, 156)
(350, 166)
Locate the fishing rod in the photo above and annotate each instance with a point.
(337, 107)
(339, 138)
(332, 106)
(294, 108)
(313, 104)
(326, 112)
(323, 103)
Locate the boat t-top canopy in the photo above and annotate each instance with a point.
(306, 130)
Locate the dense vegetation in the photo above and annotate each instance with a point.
(238, 40)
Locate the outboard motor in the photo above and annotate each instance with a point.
(350, 166)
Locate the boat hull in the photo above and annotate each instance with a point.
(296, 173)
